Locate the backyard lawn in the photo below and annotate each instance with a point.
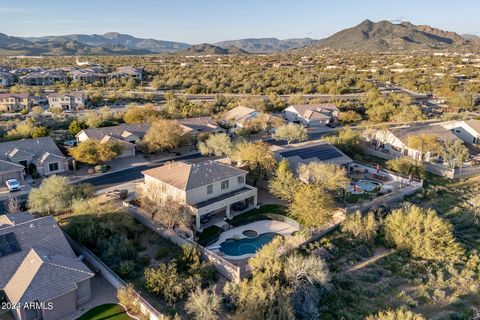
(106, 311)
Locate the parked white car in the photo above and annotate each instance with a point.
(13, 185)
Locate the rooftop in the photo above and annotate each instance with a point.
(187, 176)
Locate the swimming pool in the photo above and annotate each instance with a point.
(363, 185)
(234, 247)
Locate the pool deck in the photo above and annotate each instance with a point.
(263, 226)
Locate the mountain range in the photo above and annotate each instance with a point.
(366, 36)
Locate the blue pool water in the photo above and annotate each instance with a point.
(232, 247)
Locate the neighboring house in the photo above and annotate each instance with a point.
(89, 75)
(312, 115)
(394, 141)
(14, 102)
(196, 126)
(42, 154)
(314, 151)
(239, 116)
(128, 72)
(467, 130)
(126, 134)
(6, 79)
(205, 188)
(67, 101)
(44, 78)
(39, 267)
(129, 134)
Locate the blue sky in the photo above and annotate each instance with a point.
(215, 20)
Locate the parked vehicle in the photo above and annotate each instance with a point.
(70, 143)
(13, 185)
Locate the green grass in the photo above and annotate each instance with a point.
(258, 214)
(109, 311)
(209, 235)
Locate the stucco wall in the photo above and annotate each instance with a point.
(200, 194)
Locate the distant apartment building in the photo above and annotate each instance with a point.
(123, 72)
(44, 78)
(67, 101)
(14, 102)
(6, 79)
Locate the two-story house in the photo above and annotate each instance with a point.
(206, 188)
(14, 102)
(6, 79)
(67, 101)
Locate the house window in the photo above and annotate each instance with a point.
(224, 184)
(53, 166)
(241, 179)
(210, 189)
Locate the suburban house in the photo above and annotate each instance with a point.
(39, 154)
(394, 141)
(467, 130)
(206, 188)
(89, 75)
(312, 115)
(40, 271)
(6, 79)
(44, 78)
(314, 151)
(67, 101)
(196, 126)
(128, 72)
(239, 116)
(126, 134)
(129, 134)
(14, 102)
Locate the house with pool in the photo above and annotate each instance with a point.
(210, 190)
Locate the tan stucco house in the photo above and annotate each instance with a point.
(41, 275)
(41, 153)
(206, 188)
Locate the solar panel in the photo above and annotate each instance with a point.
(8, 244)
(322, 152)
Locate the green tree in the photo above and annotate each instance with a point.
(399, 314)
(422, 233)
(163, 135)
(39, 132)
(423, 143)
(349, 117)
(326, 175)
(203, 304)
(361, 227)
(138, 114)
(347, 140)
(167, 282)
(257, 156)
(406, 167)
(94, 151)
(218, 144)
(454, 153)
(290, 132)
(55, 194)
(284, 184)
(312, 206)
(76, 126)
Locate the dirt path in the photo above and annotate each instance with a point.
(380, 253)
